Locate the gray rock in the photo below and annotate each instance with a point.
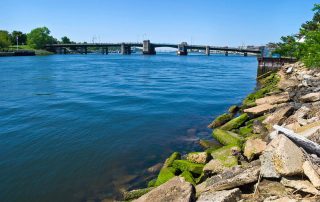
(230, 179)
(279, 116)
(221, 196)
(301, 185)
(311, 97)
(311, 173)
(281, 158)
(176, 189)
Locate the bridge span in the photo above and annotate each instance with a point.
(148, 48)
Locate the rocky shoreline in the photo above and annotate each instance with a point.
(268, 152)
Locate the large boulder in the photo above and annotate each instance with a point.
(198, 157)
(281, 158)
(260, 109)
(279, 116)
(236, 122)
(254, 147)
(214, 166)
(176, 189)
(311, 97)
(221, 196)
(310, 171)
(227, 155)
(274, 99)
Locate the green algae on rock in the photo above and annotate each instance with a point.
(233, 109)
(206, 144)
(188, 177)
(226, 155)
(166, 173)
(173, 156)
(220, 120)
(236, 122)
(134, 194)
(227, 137)
(184, 165)
(152, 182)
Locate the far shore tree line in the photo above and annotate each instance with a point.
(36, 39)
(305, 45)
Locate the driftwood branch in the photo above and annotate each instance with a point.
(303, 142)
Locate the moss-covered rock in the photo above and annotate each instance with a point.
(211, 149)
(188, 177)
(226, 155)
(233, 109)
(260, 118)
(246, 130)
(267, 85)
(206, 144)
(227, 137)
(184, 165)
(166, 173)
(152, 183)
(236, 122)
(220, 120)
(134, 194)
(201, 178)
(174, 156)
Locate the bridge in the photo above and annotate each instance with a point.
(148, 48)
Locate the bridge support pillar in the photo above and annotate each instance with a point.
(106, 50)
(207, 50)
(64, 51)
(182, 49)
(148, 48)
(125, 49)
(226, 53)
(245, 54)
(85, 50)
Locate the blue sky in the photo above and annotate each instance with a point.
(212, 22)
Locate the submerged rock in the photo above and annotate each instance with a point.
(221, 196)
(176, 189)
(281, 158)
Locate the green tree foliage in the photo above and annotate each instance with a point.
(65, 40)
(39, 37)
(306, 44)
(311, 49)
(4, 39)
(22, 38)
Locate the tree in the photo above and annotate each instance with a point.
(22, 38)
(39, 37)
(65, 40)
(4, 39)
(311, 49)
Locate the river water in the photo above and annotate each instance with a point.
(82, 127)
